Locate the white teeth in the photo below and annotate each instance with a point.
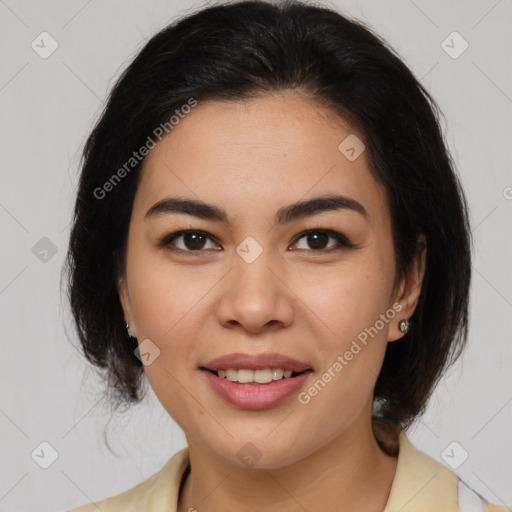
(277, 373)
(263, 376)
(232, 375)
(245, 376)
(259, 376)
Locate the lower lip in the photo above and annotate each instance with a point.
(255, 396)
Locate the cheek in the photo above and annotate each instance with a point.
(348, 299)
(165, 314)
(165, 299)
(170, 307)
(353, 303)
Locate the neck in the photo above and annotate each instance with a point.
(349, 472)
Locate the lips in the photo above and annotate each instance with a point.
(255, 362)
(254, 395)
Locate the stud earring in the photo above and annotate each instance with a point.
(403, 325)
(128, 330)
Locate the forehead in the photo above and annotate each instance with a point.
(258, 154)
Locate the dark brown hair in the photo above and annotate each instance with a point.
(237, 51)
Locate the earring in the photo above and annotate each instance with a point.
(128, 330)
(403, 325)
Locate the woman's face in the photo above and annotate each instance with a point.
(254, 283)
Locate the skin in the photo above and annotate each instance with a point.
(252, 158)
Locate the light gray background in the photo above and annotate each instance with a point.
(47, 106)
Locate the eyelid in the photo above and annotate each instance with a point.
(167, 239)
(342, 240)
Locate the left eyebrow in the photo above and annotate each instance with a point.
(284, 215)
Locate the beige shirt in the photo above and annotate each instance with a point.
(421, 484)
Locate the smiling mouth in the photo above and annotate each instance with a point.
(260, 377)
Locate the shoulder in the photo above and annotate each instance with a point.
(471, 501)
(432, 485)
(158, 493)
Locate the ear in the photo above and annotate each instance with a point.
(124, 298)
(410, 288)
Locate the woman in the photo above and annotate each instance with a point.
(269, 227)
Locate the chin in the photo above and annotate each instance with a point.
(257, 452)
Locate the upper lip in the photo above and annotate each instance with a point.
(255, 362)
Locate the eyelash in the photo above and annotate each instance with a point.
(341, 239)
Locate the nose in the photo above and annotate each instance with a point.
(255, 297)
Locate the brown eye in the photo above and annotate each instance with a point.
(191, 241)
(194, 241)
(317, 240)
